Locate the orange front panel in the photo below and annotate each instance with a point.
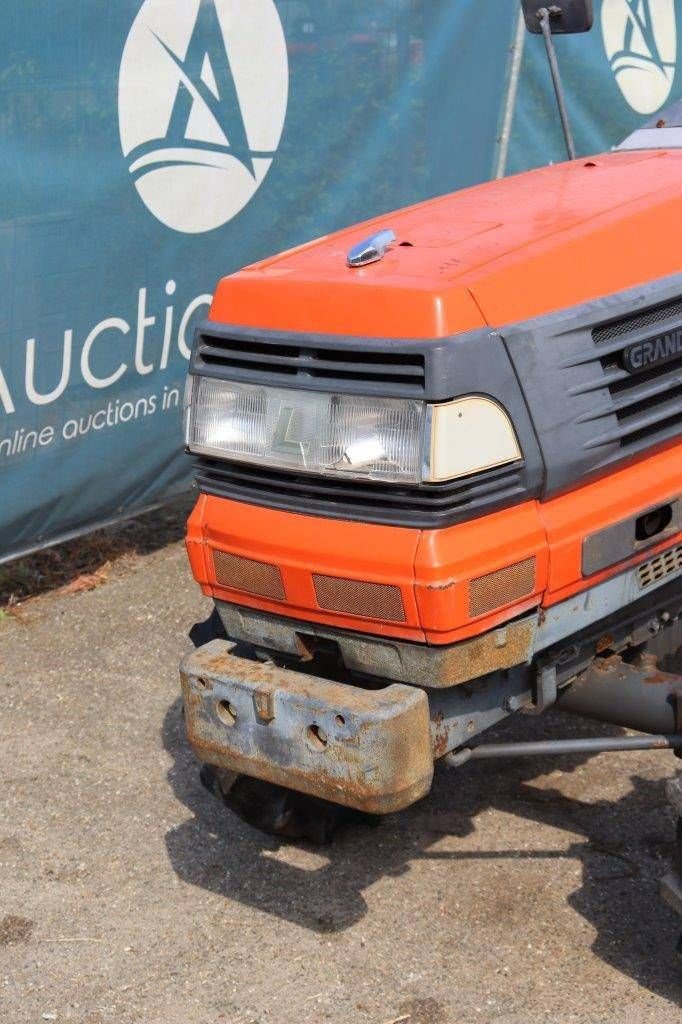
(442, 586)
(194, 542)
(301, 546)
(496, 253)
(448, 559)
(571, 517)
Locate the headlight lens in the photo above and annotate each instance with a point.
(376, 438)
(393, 440)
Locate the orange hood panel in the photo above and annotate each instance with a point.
(499, 252)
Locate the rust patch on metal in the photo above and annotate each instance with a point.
(439, 735)
(372, 748)
(442, 585)
(431, 666)
(608, 665)
(263, 701)
(655, 678)
(499, 649)
(604, 643)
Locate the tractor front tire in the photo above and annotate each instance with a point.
(274, 809)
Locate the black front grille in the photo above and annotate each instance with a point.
(280, 362)
(647, 404)
(424, 506)
(628, 410)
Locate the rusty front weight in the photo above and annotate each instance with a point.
(368, 749)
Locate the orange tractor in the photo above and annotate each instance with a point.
(439, 458)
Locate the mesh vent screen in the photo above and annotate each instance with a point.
(248, 575)
(501, 587)
(638, 321)
(665, 564)
(355, 597)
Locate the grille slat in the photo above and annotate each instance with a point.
(274, 362)
(623, 399)
(608, 377)
(217, 356)
(622, 402)
(423, 506)
(309, 365)
(665, 422)
(345, 490)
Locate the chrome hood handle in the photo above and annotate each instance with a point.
(371, 249)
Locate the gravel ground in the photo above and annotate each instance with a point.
(516, 894)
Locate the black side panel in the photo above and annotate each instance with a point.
(594, 401)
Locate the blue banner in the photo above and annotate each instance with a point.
(150, 147)
(615, 77)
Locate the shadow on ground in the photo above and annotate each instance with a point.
(626, 847)
(84, 562)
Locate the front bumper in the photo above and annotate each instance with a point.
(368, 749)
(373, 748)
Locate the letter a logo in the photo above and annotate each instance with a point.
(203, 89)
(640, 39)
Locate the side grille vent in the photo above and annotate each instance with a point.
(658, 568)
(647, 403)
(248, 575)
(497, 589)
(626, 409)
(649, 318)
(357, 597)
(295, 365)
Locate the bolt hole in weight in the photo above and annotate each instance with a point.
(226, 712)
(340, 720)
(317, 738)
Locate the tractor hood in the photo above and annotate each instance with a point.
(494, 254)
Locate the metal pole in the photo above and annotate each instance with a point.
(510, 104)
(597, 745)
(544, 16)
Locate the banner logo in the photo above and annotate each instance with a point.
(640, 39)
(202, 97)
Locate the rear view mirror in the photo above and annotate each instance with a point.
(564, 16)
(547, 18)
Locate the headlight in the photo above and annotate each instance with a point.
(394, 440)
